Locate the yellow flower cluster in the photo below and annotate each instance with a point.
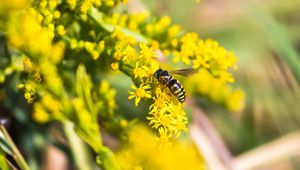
(189, 49)
(47, 108)
(8, 7)
(166, 114)
(83, 6)
(162, 33)
(94, 49)
(141, 153)
(124, 49)
(206, 54)
(131, 21)
(25, 25)
(208, 86)
(29, 92)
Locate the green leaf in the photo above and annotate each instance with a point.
(84, 88)
(92, 140)
(107, 160)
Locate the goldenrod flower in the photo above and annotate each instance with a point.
(142, 151)
(141, 92)
(39, 113)
(61, 30)
(164, 138)
(146, 52)
(139, 72)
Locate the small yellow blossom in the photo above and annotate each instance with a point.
(164, 138)
(57, 52)
(95, 54)
(123, 123)
(114, 66)
(50, 103)
(139, 93)
(28, 90)
(101, 45)
(235, 101)
(72, 4)
(56, 14)
(139, 72)
(173, 31)
(109, 2)
(39, 113)
(73, 43)
(146, 52)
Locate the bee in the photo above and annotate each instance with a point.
(176, 88)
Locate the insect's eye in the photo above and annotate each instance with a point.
(157, 73)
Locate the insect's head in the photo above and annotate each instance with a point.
(158, 73)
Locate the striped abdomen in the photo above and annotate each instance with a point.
(177, 89)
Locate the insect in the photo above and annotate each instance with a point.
(164, 77)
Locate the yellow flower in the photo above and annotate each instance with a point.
(173, 31)
(129, 54)
(159, 101)
(164, 138)
(167, 113)
(139, 93)
(50, 103)
(165, 21)
(114, 66)
(101, 46)
(235, 101)
(146, 52)
(25, 32)
(142, 151)
(60, 30)
(56, 14)
(139, 71)
(39, 113)
(201, 61)
(123, 123)
(57, 52)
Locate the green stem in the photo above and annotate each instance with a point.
(15, 151)
(126, 69)
(79, 150)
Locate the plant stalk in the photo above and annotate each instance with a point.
(78, 148)
(15, 151)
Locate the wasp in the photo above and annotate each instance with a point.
(176, 88)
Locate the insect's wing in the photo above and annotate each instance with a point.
(185, 72)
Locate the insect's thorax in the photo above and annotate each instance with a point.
(165, 78)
